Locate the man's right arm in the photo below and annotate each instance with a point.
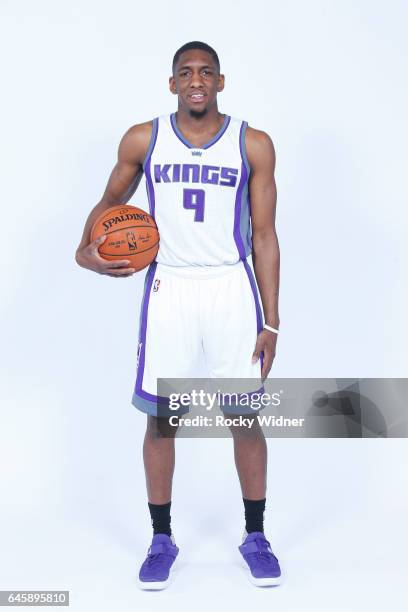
(122, 184)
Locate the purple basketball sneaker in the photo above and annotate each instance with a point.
(155, 571)
(259, 559)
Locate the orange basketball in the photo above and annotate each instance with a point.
(131, 234)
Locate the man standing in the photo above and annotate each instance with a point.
(211, 189)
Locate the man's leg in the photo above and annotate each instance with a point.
(250, 452)
(169, 347)
(158, 455)
(229, 338)
(159, 459)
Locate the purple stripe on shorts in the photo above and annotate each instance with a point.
(259, 317)
(142, 339)
(155, 399)
(143, 325)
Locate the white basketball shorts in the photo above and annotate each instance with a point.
(193, 315)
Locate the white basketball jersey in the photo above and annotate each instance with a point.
(199, 196)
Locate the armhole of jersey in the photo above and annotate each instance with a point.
(153, 138)
(242, 146)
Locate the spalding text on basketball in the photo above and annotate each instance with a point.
(126, 217)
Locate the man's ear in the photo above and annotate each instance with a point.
(172, 85)
(221, 82)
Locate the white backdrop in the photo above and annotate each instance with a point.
(327, 80)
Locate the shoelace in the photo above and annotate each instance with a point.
(152, 559)
(263, 554)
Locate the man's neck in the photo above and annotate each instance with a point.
(209, 121)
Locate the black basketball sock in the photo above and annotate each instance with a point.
(160, 515)
(254, 514)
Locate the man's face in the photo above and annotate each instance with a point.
(196, 81)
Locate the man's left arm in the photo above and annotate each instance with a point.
(265, 246)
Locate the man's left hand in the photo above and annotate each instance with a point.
(266, 343)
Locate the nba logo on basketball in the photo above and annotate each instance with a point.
(156, 285)
(131, 239)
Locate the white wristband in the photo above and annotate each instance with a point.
(272, 329)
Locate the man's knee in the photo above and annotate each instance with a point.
(160, 427)
(248, 430)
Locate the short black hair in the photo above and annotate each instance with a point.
(196, 44)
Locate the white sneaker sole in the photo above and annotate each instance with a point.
(260, 582)
(157, 586)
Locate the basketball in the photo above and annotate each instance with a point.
(131, 234)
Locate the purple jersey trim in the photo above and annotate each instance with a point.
(242, 207)
(150, 190)
(259, 317)
(242, 147)
(237, 216)
(153, 138)
(208, 144)
(147, 168)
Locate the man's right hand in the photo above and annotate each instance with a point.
(88, 257)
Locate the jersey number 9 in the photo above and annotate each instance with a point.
(194, 199)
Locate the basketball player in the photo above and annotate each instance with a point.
(211, 189)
